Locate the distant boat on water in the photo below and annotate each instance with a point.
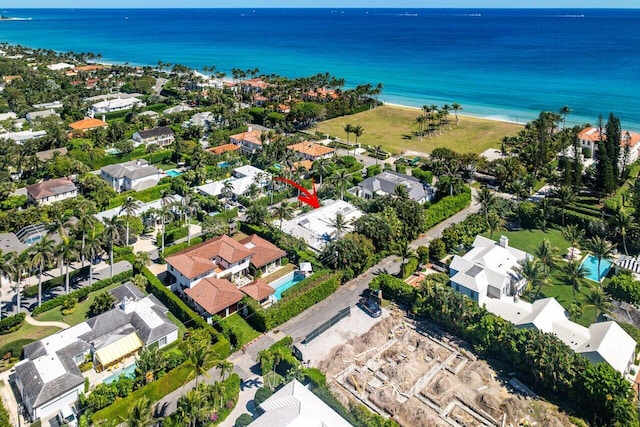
(9, 18)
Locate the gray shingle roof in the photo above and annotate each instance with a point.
(155, 132)
(387, 182)
(134, 169)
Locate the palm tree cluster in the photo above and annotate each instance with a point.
(434, 119)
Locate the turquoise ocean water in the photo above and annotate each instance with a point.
(502, 63)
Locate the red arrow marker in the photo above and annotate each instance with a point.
(309, 198)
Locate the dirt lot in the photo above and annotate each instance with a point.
(421, 377)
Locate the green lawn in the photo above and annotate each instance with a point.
(27, 332)
(248, 333)
(557, 288)
(393, 128)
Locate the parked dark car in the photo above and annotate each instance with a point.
(370, 306)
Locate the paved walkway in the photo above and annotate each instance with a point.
(30, 320)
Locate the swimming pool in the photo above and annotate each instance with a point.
(173, 173)
(591, 263)
(129, 371)
(223, 164)
(285, 282)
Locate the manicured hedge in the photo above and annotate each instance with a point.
(32, 291)
(11, 323)
(82, 293)
(4, 416)
(446, 207)
(170, 250)
(305, 284)
(182, 311)
(410, 267)
(264, 320)
(172, 235)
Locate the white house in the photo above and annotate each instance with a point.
(51, 191)
(488, 270)
(386, 182)
(240, 181)
(23, 135)
(294, 405)
(134, 175)
(310, 150)
(111, 105)
(162, 136)
(48, 378)
(37, 115)
(486, 274)
(316, 227)
(590, 137)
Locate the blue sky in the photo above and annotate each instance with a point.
(473, 4)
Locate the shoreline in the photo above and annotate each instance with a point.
(495, 119)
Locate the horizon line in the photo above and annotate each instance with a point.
(330, 7)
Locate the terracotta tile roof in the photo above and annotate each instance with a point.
(258, 290)
(284, 108)
(259, 83)
(200, 259)
(250, 136)
(311, 149)
(87, 123)
(307, 164)
(592, 133)
(263, 251)
(214, 295)
(9, 79)
(89, 68)
(51, 188)
(322, 93)
(224, 148)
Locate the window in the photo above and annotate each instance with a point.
(79, 358)
(162, 342)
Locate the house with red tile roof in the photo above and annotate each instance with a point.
(258, 290)
(249, 141)
(213, 296)
(266, 256)
(51, 191)
(591, 136)
(87, 124)
(311, 150)
(224, 148)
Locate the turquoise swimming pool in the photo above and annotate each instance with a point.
(173, 173)
(129, 371)
(285, 282)
(591, 263)
(223, 164)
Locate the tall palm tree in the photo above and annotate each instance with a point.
(190, 407)
(191, 205)
(42, 253)
(565, 195)
(565, 111)
(622, 221)
(340, 224)
(320, 167)
(546, 254)
(21, 263)
(92, 250)
(487, 200)
(199, 356)
(7, 268)
(59, 223)
(86, 221)
(575, 273)
(598, 300)
(112, 233)
(494, 222)
(348, 129)
(283, 211)
(225, 368)
(573, 235)
(130, 206)
(377, 152)
(535, 273)
(456, 107)
(165, 214)
(66, 252)
(601, 249)
(139, 413)
(357, 132)
(142, 259)
(341, 178)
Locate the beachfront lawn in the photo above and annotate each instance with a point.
(238, 323)
(393, 127)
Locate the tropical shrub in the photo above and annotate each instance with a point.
(11, 323)
(625, 288)
(446, 207)
(437, 249)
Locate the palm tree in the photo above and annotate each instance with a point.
(141, 260)
(7, 268)
(340, 224)
(565, 111)
(66, 252)
(573, 235)
(456, 107)
(348, 128)
(130, 206)
(320, 167)
(165, 214)
(565, 195)
(139, 413)
(42, 253)
(546, 254)
(225, 367)
(199, 356)
(111, 234)
(92, 250)
(377, 152)
(401, 192)
(357, 132)
(575, 311)
(190, 406)
(86, 221)
(21, 264)
(191, 205)
(494, 222)
(283, 211)
(598, 300)
(601, 248)
(340, 179)
(535, 273)
(59, 223)
(487, 200)
(622, 221)
(227, 189)
(575, 273)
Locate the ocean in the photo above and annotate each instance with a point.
(506, 64)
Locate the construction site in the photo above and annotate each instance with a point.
(419, 376)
